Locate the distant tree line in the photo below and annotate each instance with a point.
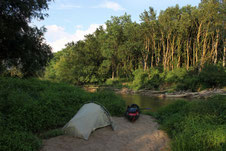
(187, 37)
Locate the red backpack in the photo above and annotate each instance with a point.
(132, 112)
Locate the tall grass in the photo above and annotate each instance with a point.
(29, 107)
(196, 125)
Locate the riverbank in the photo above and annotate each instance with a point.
(195, 125)
(29, 107)
(142, 135)
(162, 94)
(180, 94)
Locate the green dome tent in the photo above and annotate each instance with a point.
(90, 117)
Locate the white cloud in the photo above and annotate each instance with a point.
(56, 36)
(110, 5)
(78, 26)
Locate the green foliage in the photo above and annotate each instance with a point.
(176, 75)
(78, 63)
(182, 79)
(196, 125)
(116, 83)
(18, 140)
(140, 78)
(155, 79)
(34, 106)
(114, 104)
(51, 133)
(21, 45)
(112, 82)
(177, 40)
(150, 79)
(212, 76)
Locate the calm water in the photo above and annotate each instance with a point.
(153, 103)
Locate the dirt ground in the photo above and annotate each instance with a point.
(142, 135)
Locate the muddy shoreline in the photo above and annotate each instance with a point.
(164, 94)
(180, 94)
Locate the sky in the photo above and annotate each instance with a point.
(71, 20)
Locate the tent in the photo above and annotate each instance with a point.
(90, 117)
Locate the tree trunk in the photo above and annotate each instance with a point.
(167, 51)
(193, 55)
(158, 57)
(146, 56)
(224, 54)
(216, 46)
(188, 54)
(198, 42)
(172, 50)
(212, 52)
(164, 51)
(179, 53)
(152, 55)
(113, 75)
(203, 59)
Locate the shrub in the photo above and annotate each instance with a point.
(176, 75)
(196, 125)
(51, 133)
(155, 79)
(147, 79)
(28, 107)
(140, 78)
(18, 141)
(212, 76)
(112, 82)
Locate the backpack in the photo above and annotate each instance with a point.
(133, 112)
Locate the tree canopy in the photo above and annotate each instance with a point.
(21, 45)
(179, 37)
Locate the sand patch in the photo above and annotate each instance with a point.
(142, 135)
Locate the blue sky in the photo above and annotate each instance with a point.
(70, 20)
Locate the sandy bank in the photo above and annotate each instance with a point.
(143, 135)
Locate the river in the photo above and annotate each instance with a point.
(154, 103)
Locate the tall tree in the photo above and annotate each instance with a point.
(114, 40)
(149, 31)
(22, 45)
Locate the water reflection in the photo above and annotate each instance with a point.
(153, 103)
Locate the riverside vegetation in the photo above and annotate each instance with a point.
(180, 49)
(197, 125)
(29, 108)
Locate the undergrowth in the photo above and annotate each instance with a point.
(197, 125)
(30, 107)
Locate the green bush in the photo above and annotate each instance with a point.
(155, 79)
(212, 76)
(150, 79)
(29, 107)
(18, 141)
(140, 79)
(112, 82)
(176, 75)
(51, 133)
(181, 79)
(196, 125)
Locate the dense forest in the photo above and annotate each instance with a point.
(176, 39)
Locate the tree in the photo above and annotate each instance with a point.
(114, 40)
(21, 45)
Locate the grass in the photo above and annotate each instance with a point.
(32, 107)
(51, 133)
(195, 126)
